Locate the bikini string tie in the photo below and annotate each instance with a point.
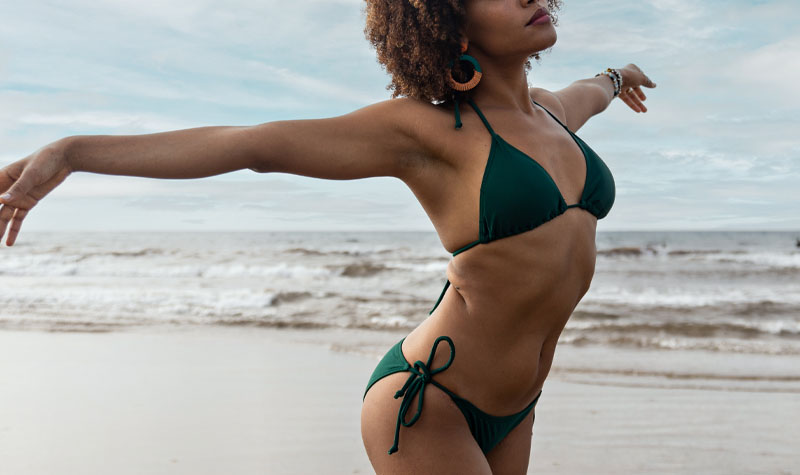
(457, 113)
(420, 376)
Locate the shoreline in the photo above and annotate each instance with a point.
(249, 400)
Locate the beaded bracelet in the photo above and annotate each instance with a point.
(616, 78)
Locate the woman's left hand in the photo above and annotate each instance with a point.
(632, 81)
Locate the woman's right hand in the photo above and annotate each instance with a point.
(25, 182)
(633, 78)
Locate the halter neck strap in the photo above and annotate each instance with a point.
(480, 114)
(457, 112)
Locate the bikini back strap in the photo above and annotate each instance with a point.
(480, 114)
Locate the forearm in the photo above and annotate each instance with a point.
(605, 87)
(602, 91)
(188, 153)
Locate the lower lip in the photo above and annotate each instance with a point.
(540, 20)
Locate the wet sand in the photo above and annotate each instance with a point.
(209, 400)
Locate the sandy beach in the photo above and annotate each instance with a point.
(209, 400)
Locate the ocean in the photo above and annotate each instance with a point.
(733, 292)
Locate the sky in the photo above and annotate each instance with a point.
(718, 149)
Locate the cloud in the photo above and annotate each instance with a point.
(773, 69)
(717, 148)
(104, 119)
(307, 84)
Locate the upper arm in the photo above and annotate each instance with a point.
(377, 140)
(576, 103)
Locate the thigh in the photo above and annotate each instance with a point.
(439, 442)
(512, 455)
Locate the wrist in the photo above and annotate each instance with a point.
(616, 78)
(606, 82)
(66, 148)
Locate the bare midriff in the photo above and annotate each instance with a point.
(506, 306)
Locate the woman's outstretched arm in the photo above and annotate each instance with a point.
(364, 143)
(585, 98)
(377, 140)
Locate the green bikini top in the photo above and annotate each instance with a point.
(517, 194)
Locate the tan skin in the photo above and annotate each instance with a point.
(509, 299)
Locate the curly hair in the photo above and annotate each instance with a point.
(416, 41)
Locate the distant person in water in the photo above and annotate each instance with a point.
(501, 173)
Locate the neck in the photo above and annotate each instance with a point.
(503, 85)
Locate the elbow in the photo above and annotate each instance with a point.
(261, 144)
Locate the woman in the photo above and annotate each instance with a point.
(511, 191)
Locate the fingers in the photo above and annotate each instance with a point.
(23, 184)
(17, 194)
(29, 180)
(634, 97)
(8, 179)
(13, 215)
(23, 202)
(6, 215)
(16, 224)
(633, 94)
(634, 77)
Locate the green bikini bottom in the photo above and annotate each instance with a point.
(488, 430)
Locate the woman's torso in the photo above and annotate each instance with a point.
(510, 298)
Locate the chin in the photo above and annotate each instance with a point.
(552, 38)
(543, 44)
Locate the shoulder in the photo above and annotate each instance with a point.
(549, 101)
(408, 115)
(405, 120)
(403, 108)
(408, 111)
(428, 124)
